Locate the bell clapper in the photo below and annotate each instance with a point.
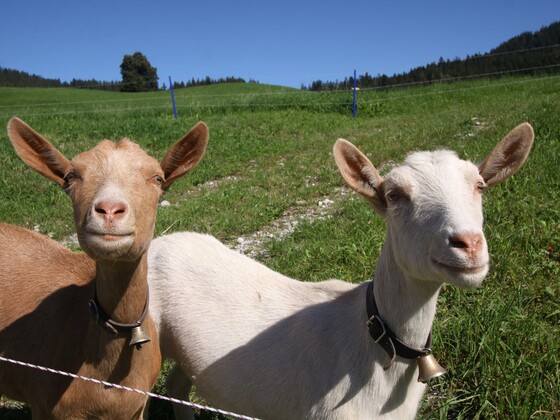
(138, 337)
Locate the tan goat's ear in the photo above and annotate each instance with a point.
(359, 173)
(185, 154)
(508, 155)
(37, 151)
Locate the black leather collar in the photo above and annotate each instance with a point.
(104, 320)
(383, 336)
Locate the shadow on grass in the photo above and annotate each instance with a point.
(159, 410)
(7, 413)
(163, 410)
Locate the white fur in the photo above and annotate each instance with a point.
(261, 344)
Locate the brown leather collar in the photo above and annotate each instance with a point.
(383, 336)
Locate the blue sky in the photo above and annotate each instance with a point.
(283, 42)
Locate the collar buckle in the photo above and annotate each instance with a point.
(376, 328)
(393, 346)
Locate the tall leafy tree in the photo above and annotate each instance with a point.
(138, 75)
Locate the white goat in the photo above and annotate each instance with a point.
(258, 343)
(45, 289)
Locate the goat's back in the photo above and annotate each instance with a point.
(45, 262)
(257, 342)
(192, 270)
(29, 313)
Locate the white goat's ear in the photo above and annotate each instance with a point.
(37, 151)
(359, 173)
(185, 154)
(508, 155)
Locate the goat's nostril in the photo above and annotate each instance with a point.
(110, 210)
(457, 242)
(120, 210)
(470, 242)
(100, 210)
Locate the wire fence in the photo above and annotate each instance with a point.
(369, 99)
(125, 388)
(108, 85)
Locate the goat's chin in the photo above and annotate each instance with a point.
(107, 247)
(468, 281)
(462, 277)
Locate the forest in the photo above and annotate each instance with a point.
(526, 54)
(17, 78)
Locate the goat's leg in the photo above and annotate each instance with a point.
(179, 386)
(146, 411)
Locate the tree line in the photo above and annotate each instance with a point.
(209, 81)
(526, 54)
(138, 75)
(17, 78)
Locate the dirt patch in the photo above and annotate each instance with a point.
(71, 241)
(472, 128)
(252, 244)
(211, 185)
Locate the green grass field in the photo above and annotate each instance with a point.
(270, 152)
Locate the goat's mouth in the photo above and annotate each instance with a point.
(109, 236)
(107, 242)
(457, 269)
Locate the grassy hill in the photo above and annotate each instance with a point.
(53, 101)
(270, 156)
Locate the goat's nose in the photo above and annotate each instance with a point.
(469, 242)
(110, 210)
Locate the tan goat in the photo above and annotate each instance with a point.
(46, 291)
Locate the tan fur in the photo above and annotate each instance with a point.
(44, 288)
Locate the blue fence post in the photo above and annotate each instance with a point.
(172, 97)
(354, 107)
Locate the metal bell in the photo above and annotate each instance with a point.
(428, 368)
(139, 337)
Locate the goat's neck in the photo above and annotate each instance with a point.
(407, 304)
(122, 288)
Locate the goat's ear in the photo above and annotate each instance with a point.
(508, 156)
(37, 151)
(359, 173)
(185, 154)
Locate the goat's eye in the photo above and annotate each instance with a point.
(69, 177)
(158, 179)
(480, 187)
(393, 196)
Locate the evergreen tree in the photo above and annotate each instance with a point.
(526, 54)
(138, 75)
